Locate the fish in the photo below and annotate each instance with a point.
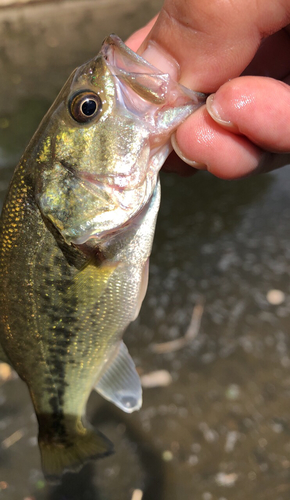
(76, 233)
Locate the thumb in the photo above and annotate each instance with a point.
(203, 44)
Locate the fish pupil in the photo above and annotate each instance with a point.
(89, 107)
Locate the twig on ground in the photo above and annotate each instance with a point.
(190, 334)
(16, 436)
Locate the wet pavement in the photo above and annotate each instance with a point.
(221, 429)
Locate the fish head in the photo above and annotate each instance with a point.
(102, 143)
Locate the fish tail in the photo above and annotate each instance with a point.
(70, 455)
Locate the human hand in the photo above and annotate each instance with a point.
(206, 44)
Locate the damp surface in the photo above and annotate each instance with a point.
(219, 428)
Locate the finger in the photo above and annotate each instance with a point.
(271, 59)
(212, 41)
(205, 145)
(135, 40)
(256, 107)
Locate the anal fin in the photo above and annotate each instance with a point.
(120, 382)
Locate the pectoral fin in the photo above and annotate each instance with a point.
(120, 383)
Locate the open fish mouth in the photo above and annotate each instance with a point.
(123, 191)
(111, 184)
(128, 221)
(119, 182)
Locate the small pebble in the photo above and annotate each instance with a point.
(159, 378)
(263, 442)
(193, 460)
(137, 495)
(275, 297)
(207, 496)
(6, 372)
(286, 464)
(278, 428)
(40, 484)
(232, 392)
(223, 479)
(32, 441)
(231, 439)
(167, 456)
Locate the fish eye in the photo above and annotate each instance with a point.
(85, 106)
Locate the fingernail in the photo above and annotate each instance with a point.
(216, 112)
(163, 61)
(192, 163)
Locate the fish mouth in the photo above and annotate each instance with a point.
(107, 234)
(127, 198)
(115, 181)
(117, 207)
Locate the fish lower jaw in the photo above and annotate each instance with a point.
(118, 220)
(106, 234)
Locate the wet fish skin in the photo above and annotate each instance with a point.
(76, 233)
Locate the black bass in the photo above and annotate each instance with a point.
(76, 233)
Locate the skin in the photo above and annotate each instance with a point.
(240, 52)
